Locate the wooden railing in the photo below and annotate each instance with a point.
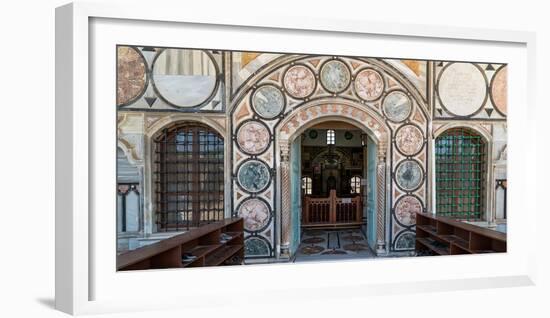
(332, 211)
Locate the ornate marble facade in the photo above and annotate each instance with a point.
(261, 102)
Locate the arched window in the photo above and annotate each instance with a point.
(189, 170)
(355, 184)
(460, 174)
(307, 183)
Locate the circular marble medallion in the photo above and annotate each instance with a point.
(408, 175)
(405, 241)
(406, 209)
(499, 90)
(369, 85)
(299, 81)
(397, 106)
(253, 137)
(184, 78)
(255, 214)
(462, 88)
(335, 76)
(409, 140)
(256, 246)
(268, 101)
(254, 176)
(131, 75)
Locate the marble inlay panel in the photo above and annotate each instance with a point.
(397, 106)
(406, 209)
(335, 76)
(462, 88)
(499, 90)
(409, 140)
(255, 213)
(299, 81)
(131, 74)
(405, 241)
(268, 101)
(184, 78)
(409, 175)
(253, 137)
(254, 176)
(369, 85)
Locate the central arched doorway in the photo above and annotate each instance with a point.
(333, 119)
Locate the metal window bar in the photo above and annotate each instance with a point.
(188, 177)
(460, 174)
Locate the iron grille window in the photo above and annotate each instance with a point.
(331, 136)
(355, 184)
(460, 174)
(189, 169)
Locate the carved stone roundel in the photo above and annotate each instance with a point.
(369, 85)
(255, 214)
(253, 137)
(397, 106)
(406, 209)
(254, 176)
(409, 140)
(335, 76)
(268, 101)
(299, 81)
(462, 89)
(409, 175)
(131, 74)
(499, 90)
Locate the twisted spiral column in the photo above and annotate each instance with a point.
(285, 198)
(381, 200)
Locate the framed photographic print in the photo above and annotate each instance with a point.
(231, 154)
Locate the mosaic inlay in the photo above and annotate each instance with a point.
(299, 81)
(462, 88)
(409, 139)
(406, 209)
(255, 246)
(268, 101)
(335, 76)
(499, 90)
(253, 176)
(369, 85)
(406, 241)
(397, 106)
(408, 175)
(255, 214)
(184, 78)
(253, 137)
(131, 74)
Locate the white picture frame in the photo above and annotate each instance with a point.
(83, 287)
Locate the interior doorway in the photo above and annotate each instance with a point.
(332, 191)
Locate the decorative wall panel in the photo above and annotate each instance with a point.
(470, 91)
(167, 79)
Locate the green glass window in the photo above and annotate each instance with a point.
(460, 174)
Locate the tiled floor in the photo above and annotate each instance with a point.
(319, 245)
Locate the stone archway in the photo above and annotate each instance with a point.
(330, 110)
